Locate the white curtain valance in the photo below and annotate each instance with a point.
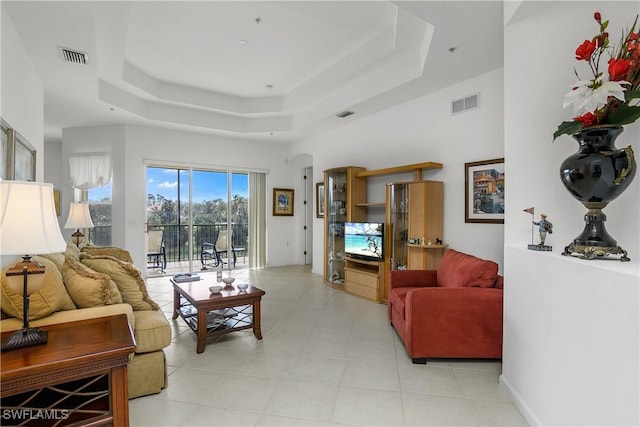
(90, 170)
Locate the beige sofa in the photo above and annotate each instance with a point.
(97, 282)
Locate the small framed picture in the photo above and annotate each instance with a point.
(484, 191)
(320, 200)
(282, 202)
(17, 156)
(56, 201)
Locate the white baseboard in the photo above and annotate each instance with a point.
(522, 406)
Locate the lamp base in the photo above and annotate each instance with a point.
(77, 237)
(25, 338)
(585, 251)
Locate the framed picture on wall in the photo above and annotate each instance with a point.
(484, 191)
(18, 157)
(4, 149)
(56, 201)
(282, 202)
(320, 200)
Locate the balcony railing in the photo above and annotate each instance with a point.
(176, 240)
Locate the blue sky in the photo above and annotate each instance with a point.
(206, 185)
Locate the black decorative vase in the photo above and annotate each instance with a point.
(595, 175)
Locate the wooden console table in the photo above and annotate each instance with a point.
(79, 377)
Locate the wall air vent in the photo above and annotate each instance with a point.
(344, 114)
(74, 56)
(464, 104)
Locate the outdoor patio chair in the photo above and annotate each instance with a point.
(211, 253)
(156, 254)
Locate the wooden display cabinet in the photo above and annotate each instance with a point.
(414, 220)
(425, 224)
(364, 278)
(413, 209)
(344, 198)
(397, 225)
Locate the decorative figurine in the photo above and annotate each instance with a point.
(544, 227)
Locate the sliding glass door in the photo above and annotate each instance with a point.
(197, 210)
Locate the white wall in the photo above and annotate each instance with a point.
(571, 333)
(52, 167)
(418, 131)
(132, 147)
(21, 97)
(21, 91)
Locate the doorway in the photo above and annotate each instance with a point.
(193, 208)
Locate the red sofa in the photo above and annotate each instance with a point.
(452, 312)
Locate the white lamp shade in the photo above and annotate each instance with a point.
(79, 216)
(28, 221)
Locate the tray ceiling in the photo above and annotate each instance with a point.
(276, 70)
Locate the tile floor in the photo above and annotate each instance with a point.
(327, 359)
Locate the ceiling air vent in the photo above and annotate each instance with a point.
(344, 114)
(464, 104)
(74, 56)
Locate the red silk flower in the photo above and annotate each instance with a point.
(585, 50)
(587, 119)
(618, 68)
(610, 97)
(633, 47)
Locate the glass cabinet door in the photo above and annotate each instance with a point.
(399, 224)
(336, 212)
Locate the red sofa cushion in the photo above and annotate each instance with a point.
(458, 269)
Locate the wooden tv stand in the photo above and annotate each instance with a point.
(364, 278)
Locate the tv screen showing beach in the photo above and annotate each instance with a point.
(363, 239)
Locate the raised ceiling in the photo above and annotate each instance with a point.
(273, 70)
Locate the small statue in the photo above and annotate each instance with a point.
(544, 227)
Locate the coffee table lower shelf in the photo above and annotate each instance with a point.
(219, 322)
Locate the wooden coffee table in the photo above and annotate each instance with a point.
(210, 315)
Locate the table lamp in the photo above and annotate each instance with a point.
(79, 217)
(28, 225)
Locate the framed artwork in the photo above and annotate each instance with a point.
(56, 201)
(484, 192)
(320, 200)
(282, 202)
(18, 157)
(4, 150)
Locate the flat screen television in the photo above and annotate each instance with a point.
(364, 240)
